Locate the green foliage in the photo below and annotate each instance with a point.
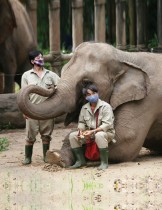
(5, 126)
(17, 88)
(153, 42)
(4, 143)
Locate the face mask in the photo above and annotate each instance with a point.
(39, 62)
(93, 98)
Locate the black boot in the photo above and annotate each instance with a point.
(45, 149)
(80, 159)
(28, 154)
(103, 158)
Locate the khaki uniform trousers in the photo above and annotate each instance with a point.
(101, 138)
(44, 127)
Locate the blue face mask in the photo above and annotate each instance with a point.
(93, 98)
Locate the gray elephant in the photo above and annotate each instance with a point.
(16, 40)
(130, 82)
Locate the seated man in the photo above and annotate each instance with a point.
(104, 132)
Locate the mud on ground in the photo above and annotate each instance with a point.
(130, 185)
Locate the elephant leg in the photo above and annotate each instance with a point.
(10, 71)
(125, 149)
(9, 83)
(131, 126)
(153, 140)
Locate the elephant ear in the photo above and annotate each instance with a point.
(7, 20)
(130, 84)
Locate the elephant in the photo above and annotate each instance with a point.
(16, 40)
(131, 82)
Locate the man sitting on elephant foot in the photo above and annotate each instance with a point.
(103, 133)
(42, 77)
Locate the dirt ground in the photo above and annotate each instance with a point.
(130, 185)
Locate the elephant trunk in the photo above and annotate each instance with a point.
(55, 105)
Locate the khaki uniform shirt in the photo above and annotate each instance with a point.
(87, 119)
(31, 78)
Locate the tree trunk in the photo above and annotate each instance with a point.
(121, 24)
(132, 23)
(77, 22)
(141, 23)
(100, 24)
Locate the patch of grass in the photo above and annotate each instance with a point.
(17, 88)
(4, 143)
(153, 42)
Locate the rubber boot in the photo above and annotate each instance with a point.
(28, 154)
(45, 149)
(80, 159)
(103, 158)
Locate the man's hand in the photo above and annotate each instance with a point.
(88, 133)
(80, 134)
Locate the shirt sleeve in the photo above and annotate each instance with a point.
(24, 81)
(107, 119)
(81, 123)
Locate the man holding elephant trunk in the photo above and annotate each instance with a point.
(42, 77)
(100, 125)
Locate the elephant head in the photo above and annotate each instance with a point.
(119, 76)
(17, 39)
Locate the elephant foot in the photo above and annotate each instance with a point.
(54, 157)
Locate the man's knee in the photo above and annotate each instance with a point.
(73, 136)
(46, 138)
(110, 136)
(30, 141)
(101, 139)
(100, 135)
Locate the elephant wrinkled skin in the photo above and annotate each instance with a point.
(16, 40)
(130, 82)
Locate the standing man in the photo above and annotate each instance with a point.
(42, 77)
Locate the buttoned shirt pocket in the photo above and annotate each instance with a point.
(87, 121)
(48, 83)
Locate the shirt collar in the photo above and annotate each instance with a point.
(44, 70)
(88, 107)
